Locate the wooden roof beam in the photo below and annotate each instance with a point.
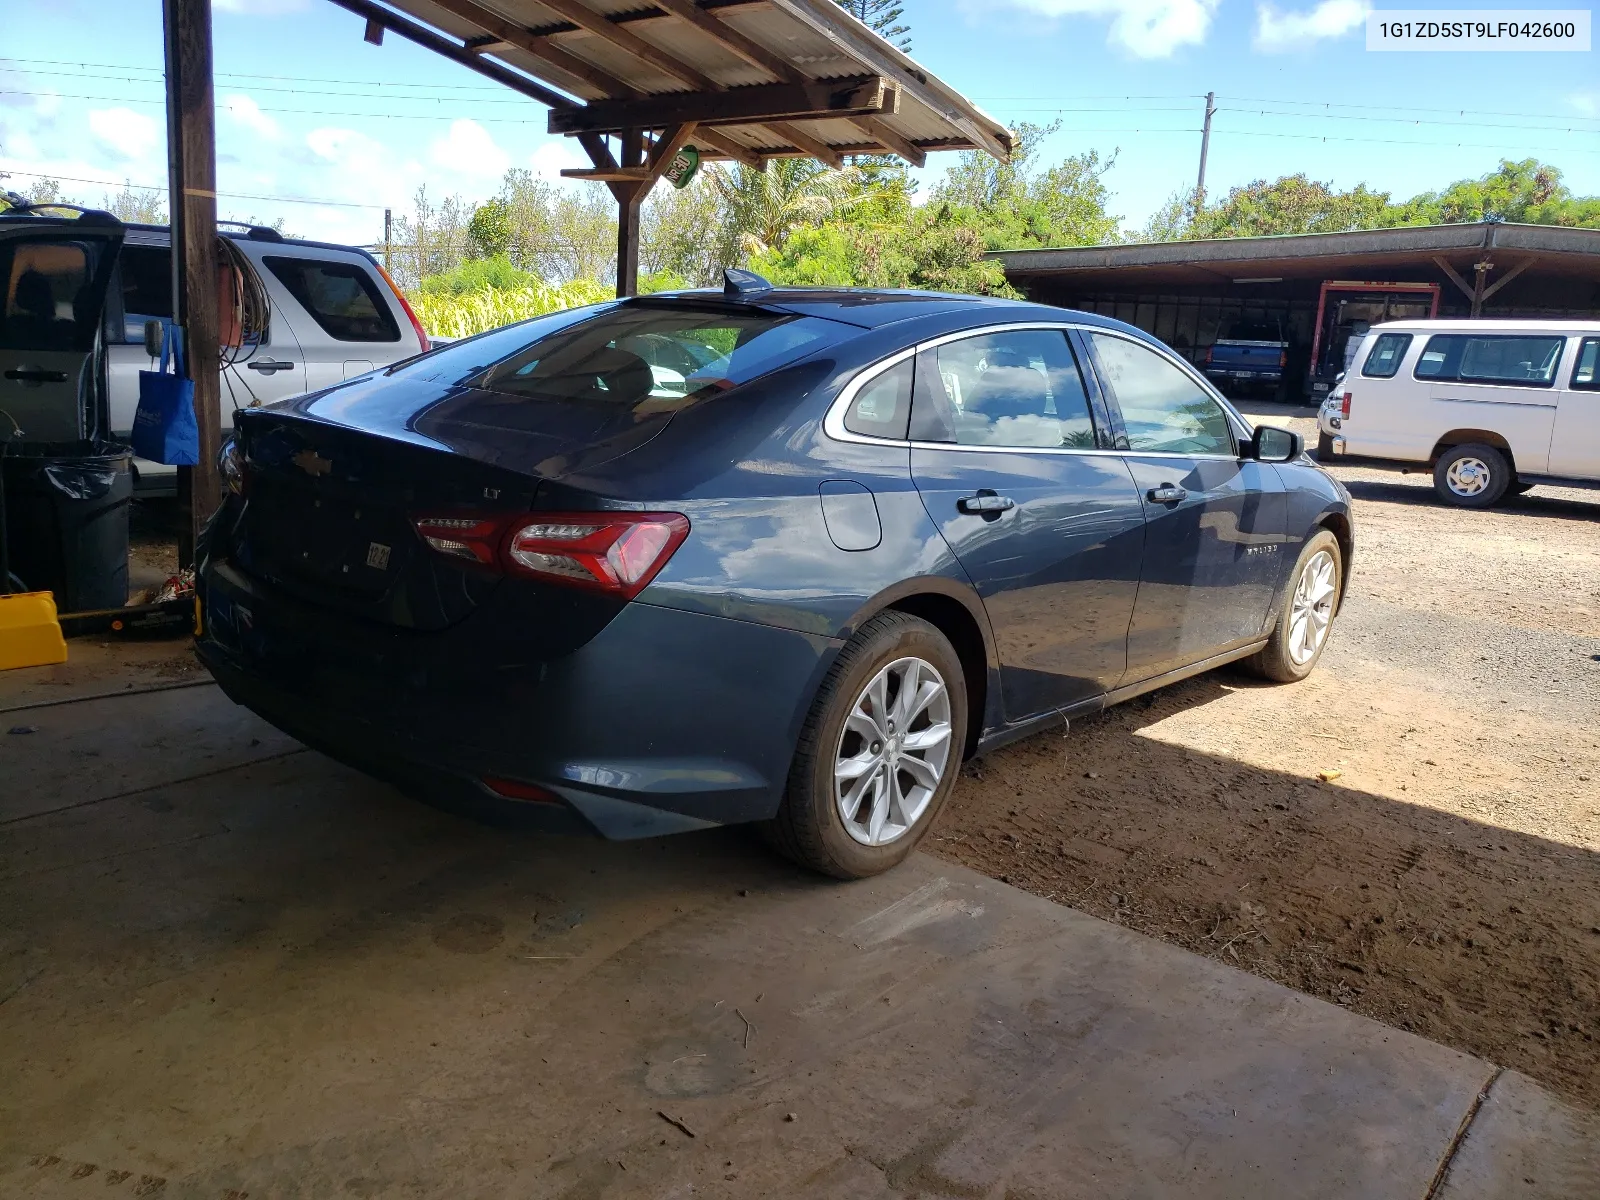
(726, 147)
(747, 48)
(501, 34)
(623, 39)
(861, 96)
(878, 130)
(800, 139)
(668, 144)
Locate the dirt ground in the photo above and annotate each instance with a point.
(1445, 878)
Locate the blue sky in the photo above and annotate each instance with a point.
(310, 111)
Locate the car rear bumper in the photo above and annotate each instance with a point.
(664, 721)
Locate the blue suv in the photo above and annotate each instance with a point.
(764, 555)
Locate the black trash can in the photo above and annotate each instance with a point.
(66, 517)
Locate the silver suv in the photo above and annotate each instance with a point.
(335, 314)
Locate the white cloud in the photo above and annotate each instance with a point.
(1587, 103)
(125, 133)
(1279, 32)
(469, 150)
(247, 113)
(1144, 28)
(549, 159)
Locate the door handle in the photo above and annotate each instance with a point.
(1167, 494)
(267, 366)
(985, 504)
(36, 375)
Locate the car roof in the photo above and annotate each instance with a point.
(874, 308)
(260, 235)
(1465, 325)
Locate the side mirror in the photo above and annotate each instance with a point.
(1272, 445)
(154, 334)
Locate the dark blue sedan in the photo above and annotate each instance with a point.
(768, 555)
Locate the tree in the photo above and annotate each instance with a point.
(882, 17)
(1016, 205)
(762, 207)
(489, 230)
(1291, 204)
(684, 237)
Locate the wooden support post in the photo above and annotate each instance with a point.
(630, 197)
(192, 181)
(1480, 271)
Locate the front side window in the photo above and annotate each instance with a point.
(341, 297)
(1586, 371)
(1519, 360)
(1020, 388)
(883, 405)
(1384, 358)
(663, 355)
(1164, 411)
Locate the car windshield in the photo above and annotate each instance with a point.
(658, 355)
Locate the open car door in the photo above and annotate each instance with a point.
(54, 274)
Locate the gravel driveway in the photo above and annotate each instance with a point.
(1413, 832)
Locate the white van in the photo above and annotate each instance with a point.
(1489, 406)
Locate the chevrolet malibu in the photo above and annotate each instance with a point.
(765, 555)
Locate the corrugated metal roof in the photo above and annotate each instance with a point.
(622, 50)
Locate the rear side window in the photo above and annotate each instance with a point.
(1518, 360)
(146, 288)
(1020, 388)
(1384, 358)
(341, 297)
(54, 290)
(883, 405)
(659, 355)
(1586, 371)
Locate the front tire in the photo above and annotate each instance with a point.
(879, 753)
(1472, 476)
(1305, 614)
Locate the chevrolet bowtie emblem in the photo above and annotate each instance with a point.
(312, 463)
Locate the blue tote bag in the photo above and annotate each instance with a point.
(164, 428)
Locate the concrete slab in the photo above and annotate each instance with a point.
(267, 975)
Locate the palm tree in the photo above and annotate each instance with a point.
(764, 206)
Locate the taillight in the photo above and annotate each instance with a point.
(231, 466)
(614, 552)
(1207, 359)
(1283, 358)
(422, 334)
(1344, 407)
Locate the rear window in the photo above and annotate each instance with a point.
(54, 290)
(659, 355)
(341, 297)
(1383, 360)
(1518, 360)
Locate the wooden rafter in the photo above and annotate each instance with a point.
(753, 52)
(878, 130)
(500, 34)
(624, 39)
(861, 96)
(815, 147)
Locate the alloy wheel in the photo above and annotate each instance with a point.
(1311, 609)
(892, 751)
(1468, 476)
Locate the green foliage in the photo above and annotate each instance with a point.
(489, 229)
(882, 17)
(763, 207)
(498, 274)
(1291, 204)
(931, 249)
(1526, 191)
(1018, 206)
(662, 281)
(448, 314)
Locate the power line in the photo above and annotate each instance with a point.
(145, 187)
(1461, 112)
(160, 72)
(1317, 137)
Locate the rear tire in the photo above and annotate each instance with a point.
(1471, 476)
(1305, 613)
(879, 753)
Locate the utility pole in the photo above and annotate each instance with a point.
(1205, 147)
(388, 241)
(192, 201)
